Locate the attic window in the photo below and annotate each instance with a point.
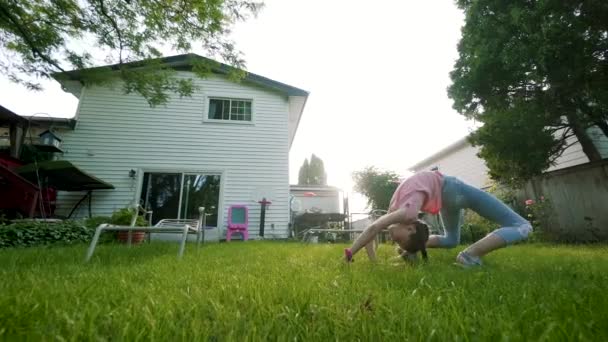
(229, 109)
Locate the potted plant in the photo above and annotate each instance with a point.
(123, 217)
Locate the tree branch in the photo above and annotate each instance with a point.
(556, 128)
(566, 134)
(28, 40)
(115, 26)
(561, 151)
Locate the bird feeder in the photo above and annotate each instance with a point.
(49, 142)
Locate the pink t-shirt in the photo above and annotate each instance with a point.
(421, 191)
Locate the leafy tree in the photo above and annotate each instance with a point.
(534, 73)
(378, 186)
(512, 155)
(312, 173)
(42, 37)
(303, 173)
(316, 172)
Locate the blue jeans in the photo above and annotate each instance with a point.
(457, 195)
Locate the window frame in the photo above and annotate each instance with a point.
(210, 97)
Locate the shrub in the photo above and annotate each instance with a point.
(124, 216)
(26, 233)
(4, 217)
(540, 212)
(95, 221)
(508, 195)
(475, 227)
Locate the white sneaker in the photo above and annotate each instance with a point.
(467, 260)
(409, 257)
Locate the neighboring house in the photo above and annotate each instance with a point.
(12, 132)
(228, 144)
(17, 130)
(315, 198)
(460, 159)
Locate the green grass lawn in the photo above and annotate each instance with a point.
(281, 291)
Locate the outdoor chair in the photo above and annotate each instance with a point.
(183, 226)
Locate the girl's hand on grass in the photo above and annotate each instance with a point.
(348, 255)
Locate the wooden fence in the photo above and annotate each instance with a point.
(578, 198)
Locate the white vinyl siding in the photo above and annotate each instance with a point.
(117, 132)
(462, 163)
(574, 154)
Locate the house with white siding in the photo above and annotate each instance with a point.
(460, 159)
(227, 144)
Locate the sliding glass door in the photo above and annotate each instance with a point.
(160, 194)
(200, 191)
(179, 195)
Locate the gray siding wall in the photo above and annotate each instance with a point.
(117, 132)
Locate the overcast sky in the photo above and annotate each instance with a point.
(377, 72)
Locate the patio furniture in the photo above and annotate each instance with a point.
(63, 176)
(216, 228)
(183, 226)
(311, 234)
(238, 221)
(308, 234)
